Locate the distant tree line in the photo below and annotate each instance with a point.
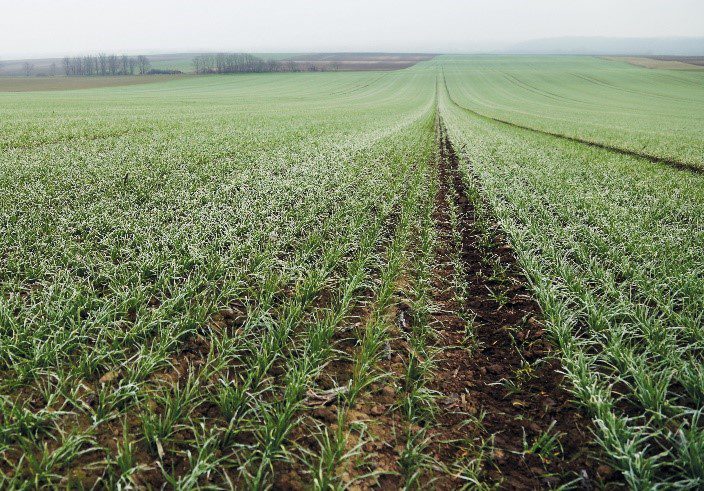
(103, 65)
(246, 63)
(28, 69)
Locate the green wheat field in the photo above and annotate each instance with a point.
(262, 280)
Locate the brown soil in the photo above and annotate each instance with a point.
(475, 403)
(360, 61)
(690, 60)
(662, 62)
(34, 84)
(513, 350)
(355, 66)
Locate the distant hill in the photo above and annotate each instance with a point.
(681, 46)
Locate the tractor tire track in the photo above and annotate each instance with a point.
(509, 384)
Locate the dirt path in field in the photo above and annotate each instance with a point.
(508, 385)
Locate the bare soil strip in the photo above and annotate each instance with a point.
(631, 153)
(662, 62)
(689, 60)
(509, 386)
(29, 84)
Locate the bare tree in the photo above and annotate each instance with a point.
(144, 64)
(113, 64)
(66, 62)
(291, 66)
(132, 62)
(103, 64)
(88, 66)
(77, 66)
(208, 63)
(52, 69)
(28, 68)
(220, 62)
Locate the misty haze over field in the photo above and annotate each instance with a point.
(37, 28)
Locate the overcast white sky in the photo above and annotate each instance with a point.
(58, 27)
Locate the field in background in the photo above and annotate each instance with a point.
(12, 77)
(315, 280)
(33, 84)
(656, 113)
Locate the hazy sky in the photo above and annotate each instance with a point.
(58, 27)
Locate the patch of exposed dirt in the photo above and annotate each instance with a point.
(690, 60)
(663, 62)
(33, 84)
(510, 384)
(359, 61)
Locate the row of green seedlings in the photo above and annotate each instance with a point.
(275, 419)
(334, 445)
(302, 368)
(468, 469)
(643, 353)
(632, 446)
(484, 225)
(609, 337)
(418, 403)
(304, 365)
(269, 414)
(669, 439)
